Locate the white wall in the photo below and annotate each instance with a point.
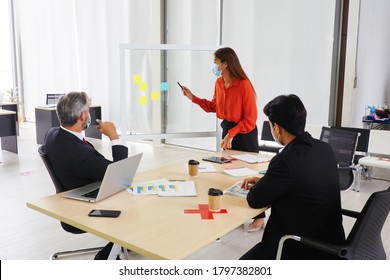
(70, 45)
(285, 47)
(5, 49)
(373, 58)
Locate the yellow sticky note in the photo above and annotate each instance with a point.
(155, 95)
(143, 86)
(143, 100)
(137, 79)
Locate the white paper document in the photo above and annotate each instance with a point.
(206, 167)
(249, 158)
(236, 190)
(240, 172)
(163, 187)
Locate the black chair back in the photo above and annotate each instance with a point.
(58, 186)
(362, 143)
(364, 241)
(346, 178)
(266, 135)
(343, 143)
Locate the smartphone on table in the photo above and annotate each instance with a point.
(104, 213)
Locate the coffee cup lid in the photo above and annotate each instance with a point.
(193, 162)
(215, 192)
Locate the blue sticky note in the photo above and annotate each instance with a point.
(164, 86)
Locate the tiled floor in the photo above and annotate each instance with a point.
(26, 234)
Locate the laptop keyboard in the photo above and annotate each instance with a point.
(91, 194)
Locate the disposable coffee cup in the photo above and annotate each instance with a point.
(215, 199)
(193, 167)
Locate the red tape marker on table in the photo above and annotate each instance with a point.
(204, 212)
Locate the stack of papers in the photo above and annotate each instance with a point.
(240, 172)
(250, 158)
(163, 187)
(236, 190)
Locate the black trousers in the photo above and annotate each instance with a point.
(243, 142)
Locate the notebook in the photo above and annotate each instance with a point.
(119, 175)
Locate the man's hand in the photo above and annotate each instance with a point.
(249, 182)
(108, 129)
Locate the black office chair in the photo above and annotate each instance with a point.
(362, 143)
(59, 188)
(343, 143)
(361, 151)
(268, 144)
(364, 242)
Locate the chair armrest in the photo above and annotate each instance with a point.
(352, 167)
(319, 245)
(350, 213)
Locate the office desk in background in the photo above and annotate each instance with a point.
(46, 118)
(157, 227)
(381, 124)
(8, 131)
(11, 106)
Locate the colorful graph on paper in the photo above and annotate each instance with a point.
(164, 187)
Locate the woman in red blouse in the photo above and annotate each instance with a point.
(234, 102)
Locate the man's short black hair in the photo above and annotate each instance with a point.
(287, 111)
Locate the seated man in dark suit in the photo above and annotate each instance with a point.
(301, 187)
(74, 160)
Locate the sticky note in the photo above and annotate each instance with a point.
(155, 95)
(137, 79)
(143, 100)
(143, 86)
(164, 86)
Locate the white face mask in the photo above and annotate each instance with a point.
(87, 123)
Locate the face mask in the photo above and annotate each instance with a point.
(276, 140)
(87, 123)
(215, 70)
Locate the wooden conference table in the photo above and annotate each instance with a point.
(157, 227)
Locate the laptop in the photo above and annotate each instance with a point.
(119, 175)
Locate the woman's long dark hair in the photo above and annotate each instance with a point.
(229, 56)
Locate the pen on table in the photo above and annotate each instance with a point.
(176, 180)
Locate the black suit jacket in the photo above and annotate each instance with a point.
(76, 163)
(302, 188)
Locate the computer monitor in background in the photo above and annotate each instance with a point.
(52, 98)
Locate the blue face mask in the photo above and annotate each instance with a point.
(215, 70)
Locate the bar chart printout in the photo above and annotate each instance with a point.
(164, 187)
